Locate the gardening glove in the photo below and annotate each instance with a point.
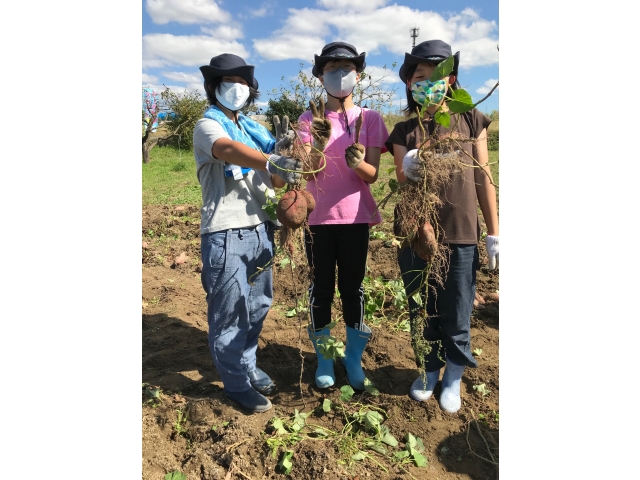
(284, 136)
(280, 165)
(492, 251)
(320, 126)
(356, 152)
(354, 155)
(411, 166)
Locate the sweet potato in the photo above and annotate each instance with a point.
(292, 209)
(425, 243)
(311, 203)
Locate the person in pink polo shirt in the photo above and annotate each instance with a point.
(338, 232)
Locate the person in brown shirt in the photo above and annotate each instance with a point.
(448, 307)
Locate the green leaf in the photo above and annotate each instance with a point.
(331, 325)
(443, 69)
(291, 313)
(326, 405)
(175, 475)
(279, 426)
(347, 393)
(321, 432)
(462, 96)
(370, 387)
(443, 118)
(417, 298)
(459, 107)
(376, 447)
(419, 460)
(152, 392)
(358, 456)
(400, 455)
(477, 352)
(386, 436)
(410, 440)
(285, 463)
(390, 170)
(372, 421)
(393, 184)
(419, 445)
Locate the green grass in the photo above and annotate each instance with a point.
(170, 178)
(495, 169)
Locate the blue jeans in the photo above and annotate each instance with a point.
(448, 308)
(238, 298)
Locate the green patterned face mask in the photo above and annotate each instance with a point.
(429, 93)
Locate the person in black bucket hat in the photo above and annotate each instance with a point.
(338, 233)
(449, 306)
(229, 64)
(238, 165)
(433, 51)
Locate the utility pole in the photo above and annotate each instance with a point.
(414, 33)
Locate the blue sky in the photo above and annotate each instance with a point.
(178, 36)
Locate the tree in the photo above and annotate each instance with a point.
(181, 112)
(293, 99)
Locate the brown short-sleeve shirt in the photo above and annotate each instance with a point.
(458, 216)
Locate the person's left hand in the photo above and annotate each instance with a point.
(493, 251)
(354, 155)
(411, 166)
(284, 136)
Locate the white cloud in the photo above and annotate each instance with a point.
(358, 5)
(223, 32)
(149, 78)
(488, 85)
(285, 46)
(267, 8)
(473, 36)
(163, 49)
(186, 11)
(183, 77)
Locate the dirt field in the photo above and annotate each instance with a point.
(189, 425)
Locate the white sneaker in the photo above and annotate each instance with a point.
(421, 392)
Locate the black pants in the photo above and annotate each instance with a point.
(345, 246)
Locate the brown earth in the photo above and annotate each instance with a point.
(217, 441)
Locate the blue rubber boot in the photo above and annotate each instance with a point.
(356, 342)
(261, 382)
(421, 391)
(324, 373)
(450, 397)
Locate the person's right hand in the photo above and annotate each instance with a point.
(287, 168)
(284, 135)
(411, 166)
(320, 126)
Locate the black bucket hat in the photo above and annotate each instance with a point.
(429, 51)
(334, 50)
(228, 64)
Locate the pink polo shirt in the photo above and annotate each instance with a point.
(341, 195)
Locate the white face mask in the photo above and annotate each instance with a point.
(340, 83)
(232, 95)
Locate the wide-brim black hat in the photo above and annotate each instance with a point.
(429, 51)
(338, 50)
(228, 64)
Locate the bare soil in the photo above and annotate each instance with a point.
(216, 440)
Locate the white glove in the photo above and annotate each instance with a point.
(411, 165)
(493, 251)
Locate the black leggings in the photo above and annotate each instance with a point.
(346, 246)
